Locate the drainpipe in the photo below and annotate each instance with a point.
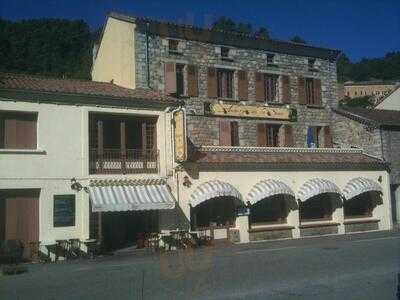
(147, 55)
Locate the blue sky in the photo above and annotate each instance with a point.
(359, 28)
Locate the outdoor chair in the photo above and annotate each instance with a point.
(75, 248)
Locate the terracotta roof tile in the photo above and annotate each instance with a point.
(219, 37)
(78, 87)
(377, 117)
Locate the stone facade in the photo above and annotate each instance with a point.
(262, 235)
(205, 130)
(358, 227)
(349, 133)
(379, 142)
(318, 230)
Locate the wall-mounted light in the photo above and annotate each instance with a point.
(186, 181)
(75, 185)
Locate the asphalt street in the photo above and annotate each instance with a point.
(359, 266)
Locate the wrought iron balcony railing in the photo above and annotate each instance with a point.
(117, 161)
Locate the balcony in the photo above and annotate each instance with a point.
(113, 161)
(122, 144)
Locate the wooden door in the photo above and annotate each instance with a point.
(22, 218)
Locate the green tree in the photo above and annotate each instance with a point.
(262, 32)
(365, 101)
(298, 39)
(53, 47)
(228, 25)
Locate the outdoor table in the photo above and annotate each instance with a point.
(153, 241)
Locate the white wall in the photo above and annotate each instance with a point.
(244, 180)
(63, 153)
(391, 102)
(116, 54)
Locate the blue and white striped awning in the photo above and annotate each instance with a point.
(212, 189)
(316, 186)
(360, 185)
(128, 195)
(267, 188)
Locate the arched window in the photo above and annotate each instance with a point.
(215, 212)
(270, 210)
(319, 207)
(360, 206)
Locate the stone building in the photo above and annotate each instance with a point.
(378, 133)
(374, 89)
(259, 115)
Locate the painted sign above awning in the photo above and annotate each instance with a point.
(249, 111)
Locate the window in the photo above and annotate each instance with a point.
(180, 91)
(272, 132)
(225, 52)
(268, 135)
(228, 133)
(271, 210)
(270, 58)
(18, 130)
(310, 95)
(225, 83)
(216, 212)
(313, 137)
(316, 208)
(311, 64)
(234, 133)
(64, 210)
(359, 206)
(173, 46)
(271, 87)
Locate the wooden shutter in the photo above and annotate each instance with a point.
(26, 132)
(193, 90)
(288, 131)
(260, 87)
(212, 86)
(285, 89)
(328, 142)
(234, 134)
(225, 133)
(10, 133)
(170, 77)
(243, 86)
(301, 90)
(261, 135)
(317, 92)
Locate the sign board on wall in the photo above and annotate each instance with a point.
(248, 111)
(180, 136)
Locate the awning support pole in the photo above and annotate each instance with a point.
(100, 228)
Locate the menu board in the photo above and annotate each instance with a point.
(64, 210)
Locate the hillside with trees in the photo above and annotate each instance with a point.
(62, 48)
(52, 47)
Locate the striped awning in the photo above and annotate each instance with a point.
(267, 188)
(359, 185)
(316, 186)
(129, 195)
(212, 189)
